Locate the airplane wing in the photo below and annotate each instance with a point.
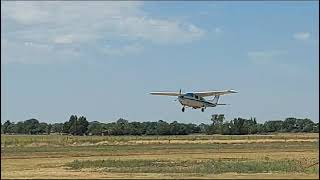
(166, 93)
(214, 93)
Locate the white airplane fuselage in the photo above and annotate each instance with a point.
(194, 101)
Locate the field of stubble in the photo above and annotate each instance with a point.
(192, 156)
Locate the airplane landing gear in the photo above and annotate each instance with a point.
(202, 109)
(182, 109)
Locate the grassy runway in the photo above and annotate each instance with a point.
(193, 156)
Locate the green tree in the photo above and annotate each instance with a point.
(315, 128)
(204, 128)
(273, 126)
(238, 126)
(192, 128)
(121, 127)
(251, 126)
(109, 128)
(83, 125)
(67, 125)
(48, 129)
(20, 128)
(95, 128)
(32, 126)
(151, 128)
(79, 126)
(290, 125)
(261, 128)
(162, 128)
(305, 125)
(136, 128)
(217, 122)
(8, 127)
(296, 125)
(254, 120)
(57, 127)
(176, 128)
(42, 128)
(226, 128)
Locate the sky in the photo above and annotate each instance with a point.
(101, 59)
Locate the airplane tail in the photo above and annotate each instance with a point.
(215, 100)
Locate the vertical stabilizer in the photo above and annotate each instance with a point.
(215, 100)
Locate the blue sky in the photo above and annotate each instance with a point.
(101, 59)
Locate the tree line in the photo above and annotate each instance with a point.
(81, 126)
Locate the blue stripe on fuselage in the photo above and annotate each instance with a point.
(205, 102)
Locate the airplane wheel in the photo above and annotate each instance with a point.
(183, 109)
(202, 109)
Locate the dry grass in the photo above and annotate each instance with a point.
(58, 140)
(49, 159)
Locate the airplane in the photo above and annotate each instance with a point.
(195, 99)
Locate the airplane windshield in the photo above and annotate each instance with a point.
(194, 95)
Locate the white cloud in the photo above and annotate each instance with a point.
(35, 53)
(25, 14)
(301, 35)
(74, 23)
(123, 50)
(64, 39)
(263, 57)
(159, 31)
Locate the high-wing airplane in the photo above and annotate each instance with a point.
(195, 99)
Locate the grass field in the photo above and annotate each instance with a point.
(193, 156)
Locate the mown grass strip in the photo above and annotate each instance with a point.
(105, 149)
(202, 167)
(63, 140)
